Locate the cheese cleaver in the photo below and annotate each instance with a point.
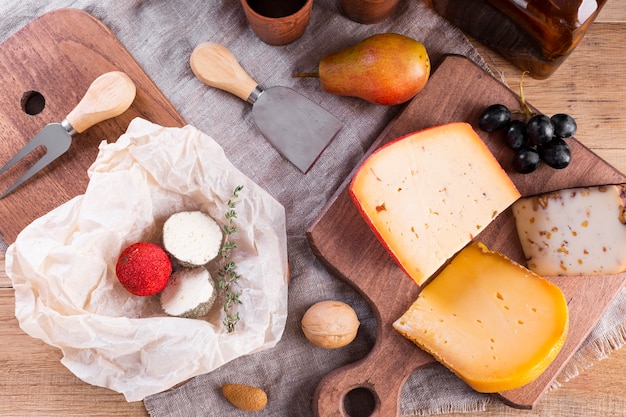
(298, 128)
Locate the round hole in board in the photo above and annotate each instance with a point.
(33, 102)
(359, 402)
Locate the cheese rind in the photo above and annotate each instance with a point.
(491, 321)
(576, 231)
(428, 194)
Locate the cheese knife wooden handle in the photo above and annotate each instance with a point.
(217, 67)
(108, 96)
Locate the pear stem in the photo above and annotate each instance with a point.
(306, 74)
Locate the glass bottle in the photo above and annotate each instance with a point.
(535, 35)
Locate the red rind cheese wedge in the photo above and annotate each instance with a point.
(491, 321)
(426, 195)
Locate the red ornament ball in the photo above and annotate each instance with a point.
(143, 268)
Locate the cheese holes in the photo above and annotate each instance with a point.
(500, 297)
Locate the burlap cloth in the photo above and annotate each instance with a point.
(161, 34)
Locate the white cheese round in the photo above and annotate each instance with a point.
(192, 237)
(190, 292)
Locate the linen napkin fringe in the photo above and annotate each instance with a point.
(594, 350)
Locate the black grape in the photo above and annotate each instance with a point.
(540, 130)
(495, 117)
(516, 136)
(556, 153)
(526, 160)
(564, 125)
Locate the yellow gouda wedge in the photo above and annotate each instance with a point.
(428, 194)
(491, 321)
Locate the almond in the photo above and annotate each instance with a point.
(245, 397)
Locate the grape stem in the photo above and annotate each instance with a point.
(526, 111)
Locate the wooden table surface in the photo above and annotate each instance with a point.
(590, 85)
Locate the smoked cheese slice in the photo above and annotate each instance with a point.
(491, 321)
(428, 194)
(576, 231)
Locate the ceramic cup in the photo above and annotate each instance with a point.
(368, 11)
(278, 22)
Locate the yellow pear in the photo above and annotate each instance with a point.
(386, 68)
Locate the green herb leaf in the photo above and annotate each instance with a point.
(227, 273)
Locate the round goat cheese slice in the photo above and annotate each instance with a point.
(192, 237)
(189, 293)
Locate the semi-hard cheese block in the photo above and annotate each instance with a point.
(491, 321)
(577, 231)
(428, 194)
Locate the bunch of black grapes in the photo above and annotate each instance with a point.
(542, 138)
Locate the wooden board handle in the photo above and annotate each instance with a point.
(371, 373)
(108, 96)
(217, 67)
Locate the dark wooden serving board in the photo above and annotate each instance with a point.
(457, 91)
(58, 55)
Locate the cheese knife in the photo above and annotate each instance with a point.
(108, 96)
(297, 128)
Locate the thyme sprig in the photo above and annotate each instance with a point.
(228, 269)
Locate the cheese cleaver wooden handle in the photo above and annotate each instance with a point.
(217, 67)
(297, 128)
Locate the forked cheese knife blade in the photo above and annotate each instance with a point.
(108, 96)
(298, 128)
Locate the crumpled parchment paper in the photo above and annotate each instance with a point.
(63, 264)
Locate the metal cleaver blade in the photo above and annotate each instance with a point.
(297, 128)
